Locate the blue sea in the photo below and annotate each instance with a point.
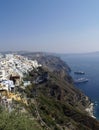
(88, 63)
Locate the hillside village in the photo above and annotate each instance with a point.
(12, 70)
(44, 93)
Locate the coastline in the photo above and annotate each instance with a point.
(73, 61)
(90, 110)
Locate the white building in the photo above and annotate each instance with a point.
(13, 64)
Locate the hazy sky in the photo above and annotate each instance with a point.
(62, 26)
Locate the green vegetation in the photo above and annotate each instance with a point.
(52, 103)
(16, 121)
(56, 108)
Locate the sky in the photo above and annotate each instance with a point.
(61, 26)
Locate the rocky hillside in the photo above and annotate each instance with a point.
(50, 101)
(58, 104)
(51, 63)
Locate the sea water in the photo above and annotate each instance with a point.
(88, 63)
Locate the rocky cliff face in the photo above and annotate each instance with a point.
(60, 105)
(52, 63)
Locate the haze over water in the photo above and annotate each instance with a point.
(89, 63)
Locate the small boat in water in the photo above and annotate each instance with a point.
(81, 80)
(79, 72)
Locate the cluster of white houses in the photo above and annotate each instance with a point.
(14, 66)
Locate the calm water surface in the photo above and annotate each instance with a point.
(88, 63)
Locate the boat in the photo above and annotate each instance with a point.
(79, 72)
(81, 80)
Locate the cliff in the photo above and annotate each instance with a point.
(59, 105)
